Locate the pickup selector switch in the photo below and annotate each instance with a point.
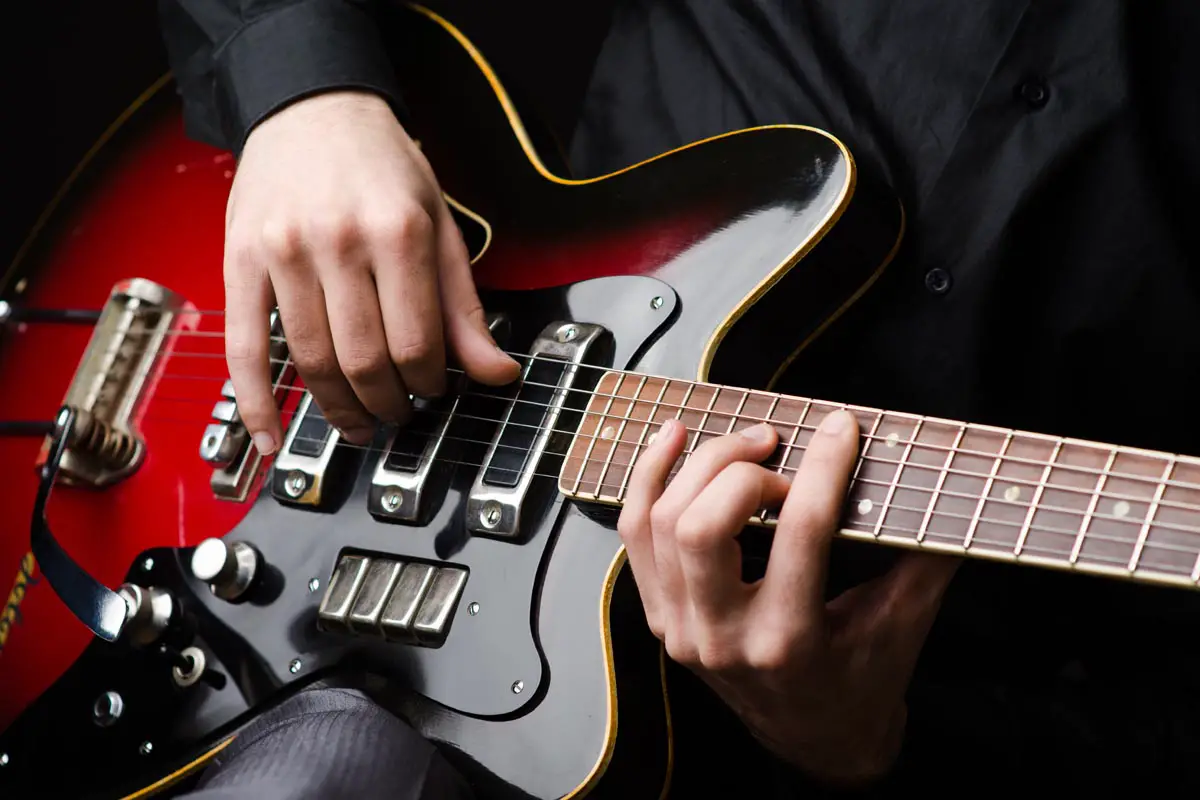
(229, 568)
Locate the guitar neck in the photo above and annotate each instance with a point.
(921, 482)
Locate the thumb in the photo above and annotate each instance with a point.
(465, 323)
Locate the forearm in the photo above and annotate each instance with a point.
(236, 62)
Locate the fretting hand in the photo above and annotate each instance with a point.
(821, 684)
(336, 217)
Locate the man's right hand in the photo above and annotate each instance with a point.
(335, 217)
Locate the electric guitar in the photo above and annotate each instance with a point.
(173, 584)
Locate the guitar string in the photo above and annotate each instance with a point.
(783, 467)
(1147, 480)
(1178, 458)
(944, 539)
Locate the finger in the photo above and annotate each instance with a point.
(646, 483)
(248, 302)
(709, 556)
(310, 343)
(360, 343)
(798, 562)
(465, 323)
(914, 587)
(405, 265)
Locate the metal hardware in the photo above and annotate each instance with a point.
(313, 585)
(438, 605)
(294, 665)
(146, 748)
(149, 612)
(405, 478)
(495, 500)
(301, 469)
(3, 759)
(348, 575)
(372, 594)
(473, 609)
(147, 564)
(188, 677)
(518, 687)
(226, 443)
(398, 616)
(228, 569)
(107, 709)
(126, 348)
(656, 302)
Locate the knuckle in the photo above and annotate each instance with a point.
(363, 367)
(662, 517)
(716, 656)
(407, 226)
(693, 532)
(418, 351)
(315, 364)
(280, 241)
(334, 232)
(771, 654)
(655, 623)
(241, 353)
(681, 649)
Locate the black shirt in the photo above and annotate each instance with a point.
(1047, 159)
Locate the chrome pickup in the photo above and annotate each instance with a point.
(405, 602)
(225, 443)
(411, 470)
(305, 464)
(512, 460)
(118, 368)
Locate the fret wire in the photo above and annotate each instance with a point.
(641, 438)
(617, 436)
(987, 488)
(712, 403)
(787, 450)
(1144, 533)
(733, 418)
(1092, 503)
(587, 455)
(962, 430)
(863, 458)
(1037, 495)
(898, 477)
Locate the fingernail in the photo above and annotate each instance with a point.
(264, 442)
(836, 422)
(760, 433)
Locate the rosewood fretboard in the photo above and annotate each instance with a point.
(957, 488)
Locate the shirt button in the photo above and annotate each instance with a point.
(937, 280)
(1035, 93)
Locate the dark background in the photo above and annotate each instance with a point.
(69, 67)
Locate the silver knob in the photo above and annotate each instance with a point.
(147, 614)
(227, 567)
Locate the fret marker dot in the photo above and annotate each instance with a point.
(608, 432)
(893, 439)
(865, 506)
(1012, 493)
(1121, 508)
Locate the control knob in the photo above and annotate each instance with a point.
(229, 568)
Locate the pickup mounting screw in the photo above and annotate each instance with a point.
(490, 514)
(656, 302)
(147, 564)
(518, 687)
(313, 585)
(294, 666)
(294, 483)
(567, 333)
(5, 310)
(390, 500)
(473, 609)
(146, 748)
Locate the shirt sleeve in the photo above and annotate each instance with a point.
(236, 62)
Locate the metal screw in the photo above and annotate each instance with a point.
(107, 709)
(146, 748)
(147, 564)
(656, 303)
(390, 500)
(473, 609)
(490, 514)
(294, 666)
(518, 687)
(567, 333)
(5, 310)
(3, 759)
(313, 585)
(294, 483)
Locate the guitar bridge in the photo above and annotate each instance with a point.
(113, 378)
